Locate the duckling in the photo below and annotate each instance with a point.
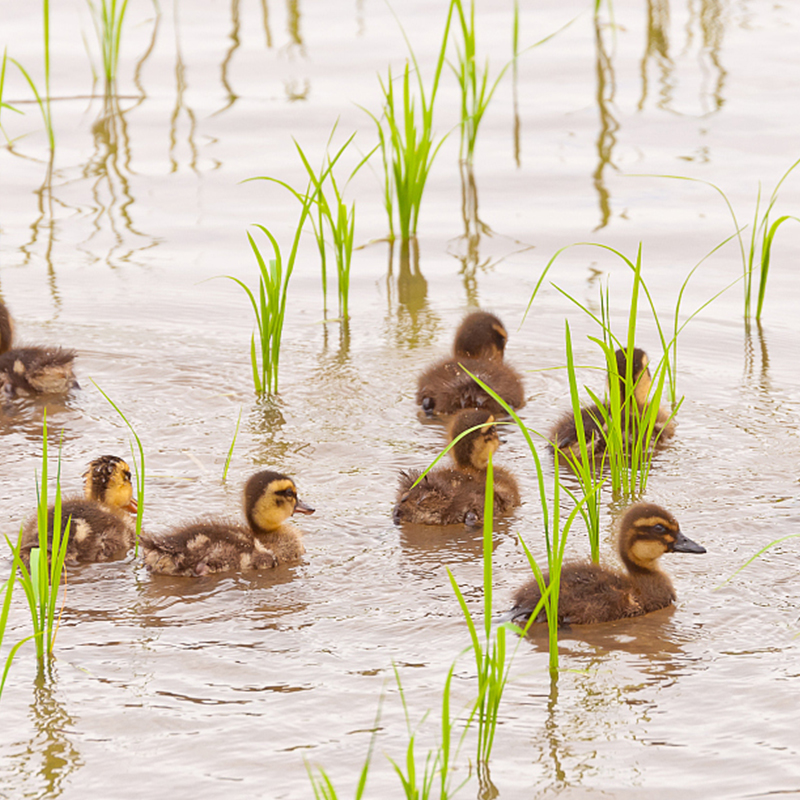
(202, 548)
(451, 496)
(591, 593)
(480, 342)
(101, 528)
(564, 436)
(32, 370)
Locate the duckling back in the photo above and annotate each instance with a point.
(32, 370)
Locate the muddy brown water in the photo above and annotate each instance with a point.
(188, 688)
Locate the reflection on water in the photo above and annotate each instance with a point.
(296, 89)
(411, 320)
(606, 137)
(710, 19)
(50, 758)
(234, 37)
(180, 86)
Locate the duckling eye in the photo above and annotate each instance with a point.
(127, 475)
(659, 528)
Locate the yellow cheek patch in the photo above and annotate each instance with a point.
(271, 510)
(645, 550)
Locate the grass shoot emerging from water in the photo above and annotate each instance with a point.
(270, 308)
(42, 579)
(107, 17)
(138, 465)
(757, 254)
(406, 139)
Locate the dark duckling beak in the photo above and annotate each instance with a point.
(133, 506)
(683, 544)
(302, 508)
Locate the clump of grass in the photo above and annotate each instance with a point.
(270, 308)
(138, 465)
(41, 581)
(333, 213)
(757, 254)
(107, 17)
(406, 139)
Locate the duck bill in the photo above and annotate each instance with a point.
(133, 506)
(683, 544)
(302, 508)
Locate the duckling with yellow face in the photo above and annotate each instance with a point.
(590, 593)
(453, 496)
(203, 548)
(564, 435)
(32, 370)
(479, 345)
(101, 527)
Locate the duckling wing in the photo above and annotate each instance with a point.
(203, 548)
(436, 500)
(445, 387)
(95, 534)
(37, 370)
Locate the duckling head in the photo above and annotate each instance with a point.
(474, 449)
(480, 335)
(640, 374)
(6, 330)
(647, 531)
(270, 499)
(108, 481)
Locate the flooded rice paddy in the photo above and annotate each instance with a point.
(234, 683)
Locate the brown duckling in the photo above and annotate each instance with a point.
(480, 342)
(202, 548)
(453, 496)
(564, 434)
(591, 593)
(32, 370)
(101, 527)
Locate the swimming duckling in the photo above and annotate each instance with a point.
(202, 548)
(480, 341)
(452, 496)
(564, 434)
(32, 370)
(591, 593)
(101, 528)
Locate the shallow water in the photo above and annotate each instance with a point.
(193, 688)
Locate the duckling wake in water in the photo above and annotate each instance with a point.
(452, 496)
(564, 435)
(202, 548)
(32, 370)
(101, 527)
(480, 342)
(591, 593)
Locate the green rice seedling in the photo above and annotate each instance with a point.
(331, 212)
(491, 657)
(270, 308)
(8, 589)
(230, 449)
(107, 17)
(138, 465)
(42, 580)
(555, 533)
(2, 104)
(406, 139)
(757, 555)
(43, 103)
(758, 252)
(476, 92)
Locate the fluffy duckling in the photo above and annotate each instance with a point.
(445, 388)
(452, 496)
(202, 548)
(101, 528)
(32, 370)
(564, 435)
(591, 593)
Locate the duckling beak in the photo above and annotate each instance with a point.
(133, 506)
(302, 508)
(683, 544)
